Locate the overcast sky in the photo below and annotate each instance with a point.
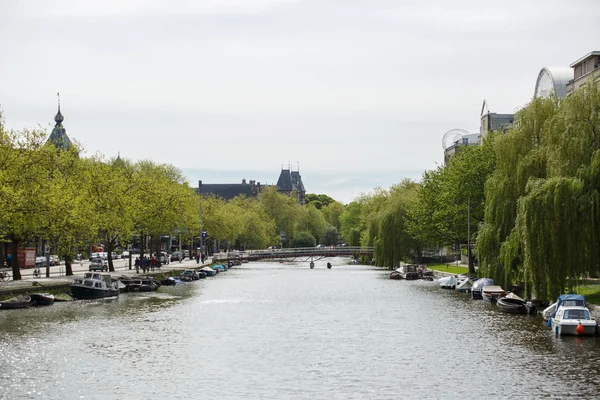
(358, 93)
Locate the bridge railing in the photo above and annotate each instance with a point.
(330, 251)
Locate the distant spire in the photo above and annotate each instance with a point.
(58, 118)
(298, 165)
(59, 137)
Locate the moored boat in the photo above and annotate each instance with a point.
(464, 284)
(563, 300)
(94, 285)
(170, 281)
(448, 282)
(492, 293)
(15, 302)
(573, 320)
(41, 299)
(478, 285)
(513, 304)
(208, 271)
(219, 267)
(406, 271)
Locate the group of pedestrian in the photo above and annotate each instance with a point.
(146, 264)
(199, 256)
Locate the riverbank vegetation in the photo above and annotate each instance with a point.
(70, 201)
(526, 203)
(527, 199)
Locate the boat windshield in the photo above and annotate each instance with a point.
(577, 314)
(579, 303)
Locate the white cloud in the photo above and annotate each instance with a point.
(137, 8)
(347, 88)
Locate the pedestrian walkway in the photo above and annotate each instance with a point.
(58, 280)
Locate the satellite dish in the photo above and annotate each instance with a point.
(452, 136)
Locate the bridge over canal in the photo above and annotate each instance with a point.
(302, 253)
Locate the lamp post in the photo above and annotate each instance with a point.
(201, 233)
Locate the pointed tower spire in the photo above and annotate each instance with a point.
(59, 137)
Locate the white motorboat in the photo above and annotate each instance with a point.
(492, 293)
(464, 284)
(448, 282)
(573, 320)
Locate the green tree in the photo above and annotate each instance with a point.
(282, 209)
(318, 200)
(25, 177)
(311, 220)
(304, 239)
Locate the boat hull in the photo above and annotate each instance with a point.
(512, 306)
(570, 328)
(86, 293)
(42, 299)
(15, 302)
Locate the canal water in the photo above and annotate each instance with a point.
(284, 331)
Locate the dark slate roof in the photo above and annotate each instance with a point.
(226, 191)
(284, 183)
(59, 137)
(297, 182)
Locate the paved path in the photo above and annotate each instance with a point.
(58, 279)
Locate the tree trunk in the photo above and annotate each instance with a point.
(470, 259)
(109, 249)
(142, 245)
(68, 266)
(14, 245)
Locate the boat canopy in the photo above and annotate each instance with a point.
(481, 282)
(492, 289)
(570, 300)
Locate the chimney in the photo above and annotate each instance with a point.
(243, 181)
(199, 183)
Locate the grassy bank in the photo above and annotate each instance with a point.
(451, 268)
(591, 293)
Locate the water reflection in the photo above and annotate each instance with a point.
(283, 330)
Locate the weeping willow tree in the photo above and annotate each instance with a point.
(387, 224)
(541, 218)
(519, 157)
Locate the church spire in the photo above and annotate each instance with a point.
(59, 137)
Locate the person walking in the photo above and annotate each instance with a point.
(137, 265)
(203, 257)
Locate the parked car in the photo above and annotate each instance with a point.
(125, 254)
(176, 256)
(40, 261)
(164, 257)
(98, 264)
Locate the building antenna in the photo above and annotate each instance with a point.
(298, 165)
(58, 97)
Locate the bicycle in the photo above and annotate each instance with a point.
(5, 276)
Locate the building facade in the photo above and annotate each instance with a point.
(289, 183)
(455, 139)
(585, 70)
(228, 191)
(492, 122)
(552, 81)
